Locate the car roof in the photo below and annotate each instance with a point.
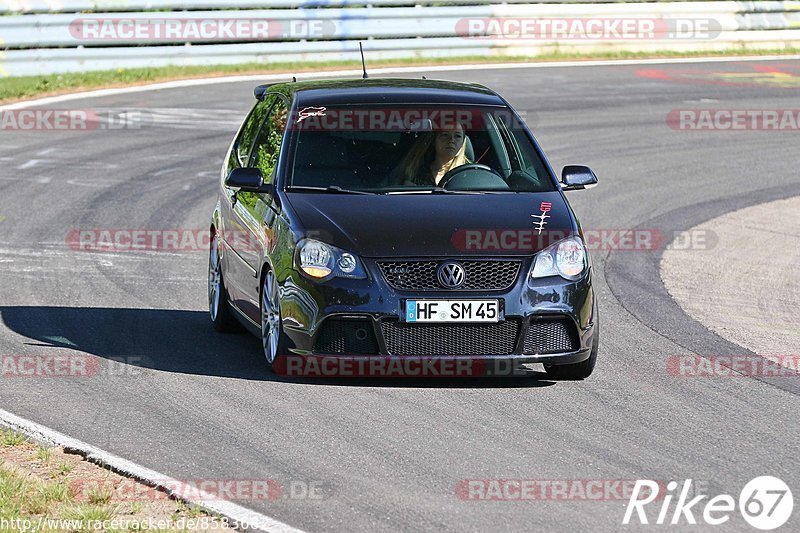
(383, 91)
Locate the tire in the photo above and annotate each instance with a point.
(577, 371)
(219, 309)
(273, 341)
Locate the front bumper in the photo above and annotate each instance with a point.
(313, 313)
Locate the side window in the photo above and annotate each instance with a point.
(530, 173)
(251, 128)
(268, 143)
(512, 148)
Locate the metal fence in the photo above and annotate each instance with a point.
(55, 36)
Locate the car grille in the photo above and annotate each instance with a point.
(551, 335)
(346, 336)
(450, 339)
(421, 275)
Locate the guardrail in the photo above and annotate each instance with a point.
(77, 6)
(78, 35)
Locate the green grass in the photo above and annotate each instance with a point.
(61, 470)
(24, 498)
(55, 492)
(28, 497)
(43, 453)
(12, 494)
(100, 495)
(88, 513)
(21, 498)
(9, 437)
(29, 86)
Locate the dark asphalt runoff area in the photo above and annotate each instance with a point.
(390, 455)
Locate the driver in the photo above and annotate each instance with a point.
(433, 155)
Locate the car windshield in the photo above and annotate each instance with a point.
(413, 150)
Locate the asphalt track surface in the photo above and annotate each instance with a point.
(390, 454)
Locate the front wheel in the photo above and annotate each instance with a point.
(271, 330)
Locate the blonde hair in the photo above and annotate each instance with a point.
(415, 165)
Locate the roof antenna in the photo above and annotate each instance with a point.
(363, 63)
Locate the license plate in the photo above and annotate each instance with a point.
(452, 311)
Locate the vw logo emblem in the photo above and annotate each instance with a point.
(451, 275)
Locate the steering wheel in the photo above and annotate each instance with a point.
(453, 172)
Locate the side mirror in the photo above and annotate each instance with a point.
(577, 177)
(245, 179)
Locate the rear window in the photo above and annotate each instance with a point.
(409, 148)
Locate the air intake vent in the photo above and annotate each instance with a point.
(346, 336)
(450, 339)
(551, 335)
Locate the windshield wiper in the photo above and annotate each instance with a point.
(434, 191)
(423, 191)
(330, 188)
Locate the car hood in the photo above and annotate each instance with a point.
(423, 225)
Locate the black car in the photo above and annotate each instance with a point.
(400, 218)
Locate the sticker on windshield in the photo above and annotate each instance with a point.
(307, 112)
(539, 224)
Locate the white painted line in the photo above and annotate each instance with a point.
(93, 183)
(390, 70)
(163, 172)
(29, 164)
(257, 521)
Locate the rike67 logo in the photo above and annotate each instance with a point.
(765, 503)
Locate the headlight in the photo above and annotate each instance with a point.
(322, 261)
(565, 258)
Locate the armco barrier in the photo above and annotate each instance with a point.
(55, 36)
(76, 6)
